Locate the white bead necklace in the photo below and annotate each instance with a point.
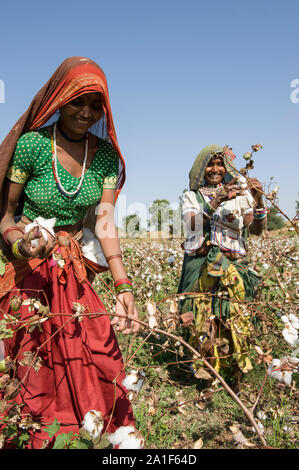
(70, 194)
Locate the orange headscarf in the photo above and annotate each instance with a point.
(74, 77)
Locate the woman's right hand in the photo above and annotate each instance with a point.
(42, 250)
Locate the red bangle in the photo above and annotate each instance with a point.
(114, 256)
(11, 229)
(122, 281)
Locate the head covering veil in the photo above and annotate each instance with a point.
(74, 77)
(197, 172)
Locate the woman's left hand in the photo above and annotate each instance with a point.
(125, 305)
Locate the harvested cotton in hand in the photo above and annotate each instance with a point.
(40, 225)
(242, 182)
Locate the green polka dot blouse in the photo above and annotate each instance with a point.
(31, 165)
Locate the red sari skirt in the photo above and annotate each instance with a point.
(81, 366)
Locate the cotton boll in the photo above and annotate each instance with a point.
(282, 374)
(126, 437)
(93, 423)
(134, 381)
(287, 377)
(261, 415)
(294, 321)
(121, 434)
(291, 336)
(45, 226)
(260, 426)
(290, 333)
(132, 443)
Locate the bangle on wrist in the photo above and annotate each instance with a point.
(260, 214)
(11, 229)
(16, 251)
(123, 285)
(118, 255)
(208, 210)
(124, 288)
(121, 291)
(260, 209)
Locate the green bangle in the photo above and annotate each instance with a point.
(124, 288)
(15, 250)
(208, 210)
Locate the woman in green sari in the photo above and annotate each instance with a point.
(219, 210)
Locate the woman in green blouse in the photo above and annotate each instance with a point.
(55, 175)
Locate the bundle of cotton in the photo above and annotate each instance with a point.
(91, 248)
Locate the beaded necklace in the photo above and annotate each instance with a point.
(211, 191)
(69, 194)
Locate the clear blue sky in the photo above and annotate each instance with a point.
(181, 75)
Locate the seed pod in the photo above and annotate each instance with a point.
(247, 156)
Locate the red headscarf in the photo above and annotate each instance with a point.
(74, 77)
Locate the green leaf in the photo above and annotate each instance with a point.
(19, 441)
(83, 443)
(5, 332)
(10, 430)
(63, 440)
(52, 428)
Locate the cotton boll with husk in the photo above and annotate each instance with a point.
(126, 437)
(282, 369)
(134, 380)
(290, 331)
(152, 310)
(93, 423)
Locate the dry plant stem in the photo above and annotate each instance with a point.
(260, 392)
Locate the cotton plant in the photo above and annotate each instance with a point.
(126, 437)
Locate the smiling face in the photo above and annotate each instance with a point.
(215, 170)
(77, 116)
